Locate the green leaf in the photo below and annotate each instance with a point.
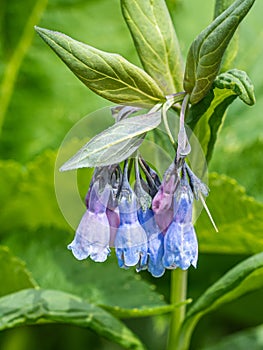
(156, 42)
(247, 339)
(237, 216)
(251, 156)
(143, 312)
(32, 306)
(221, 6)
(14, 274)
(232, 49)
(53, 266)
(14, 63)
(114, 144)
(241, 280)
(109, 75)
(206, 117)
(239, 83)
(206, 52)
(28, 194)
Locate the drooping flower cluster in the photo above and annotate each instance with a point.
(149, 225)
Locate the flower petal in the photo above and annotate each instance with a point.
(180, 246)
(131, 244)
(92, 237)
(155, 252)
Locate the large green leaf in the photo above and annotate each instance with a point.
(14, 63)
(241, 162)
(232, 49)
(241, 280)
(156, 42)
(14, 274)
(206, 117)
(206, 52)
(247, 339)
(32, 306)
(238, 217)
(27, 194)
(109, 75)
(114, 144)
(54, 267)
(221, 6)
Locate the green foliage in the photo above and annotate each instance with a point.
(13, 273)
(240, 162)
(126, 294)
(234, 212)
(32, 306)
(206, 52)
(42, 103)
(221, 6)
(239, 83)
(28, 194)
(232, 49)
(206, 117)
(156, 42)
(248, 339)
(14, 63)
(116, 143)
(242, 279)
(109, 75)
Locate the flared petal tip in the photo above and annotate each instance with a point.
(78, 252)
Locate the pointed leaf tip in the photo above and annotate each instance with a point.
(207, 50)
(156, 42)
(107, 74)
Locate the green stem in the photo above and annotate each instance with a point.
(14, 63)
(166, 125)
(178, 295)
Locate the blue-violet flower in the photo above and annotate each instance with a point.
(180, 243)
(93, 233)
(131, 239)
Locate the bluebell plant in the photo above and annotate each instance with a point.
(150, 226)
(131, 208)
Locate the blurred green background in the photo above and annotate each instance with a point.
(41, 100)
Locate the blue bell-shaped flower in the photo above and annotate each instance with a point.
(93, 233)
(180, 243)
(155, 243)
(131, 239)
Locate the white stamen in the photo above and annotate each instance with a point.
(208, 212)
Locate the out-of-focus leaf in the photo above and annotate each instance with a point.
(53, 266)
(45, 101)
(14, 63)
(206, 117)
(109, 75)
(156, 42)
(143, 312)
(247, 339)
(241, 280)
(206, 52)
(27, 194)
(32, 306)
(14, 274)
(237, 216)
(114, 144)
(241, 162)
